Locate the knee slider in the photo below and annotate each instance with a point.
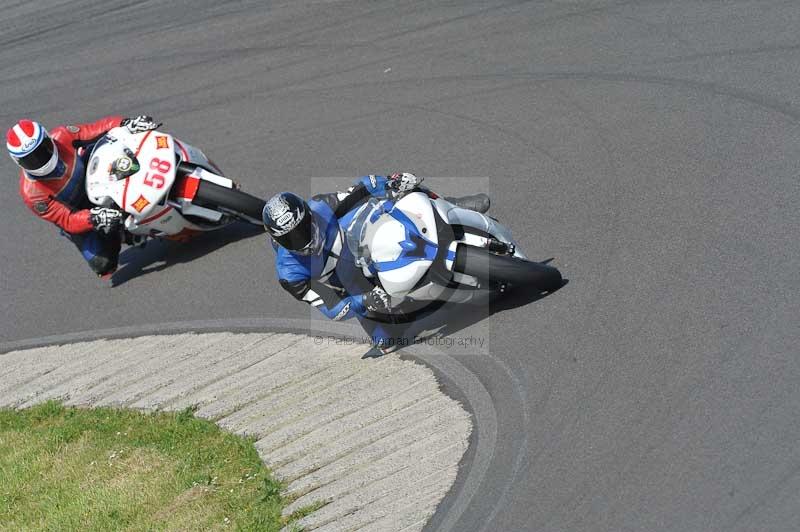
(102, 265)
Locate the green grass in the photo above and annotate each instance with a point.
(105, 469)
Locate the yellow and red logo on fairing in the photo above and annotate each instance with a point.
(140, 204)
(161, 142)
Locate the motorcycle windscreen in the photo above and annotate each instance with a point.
(356, 232)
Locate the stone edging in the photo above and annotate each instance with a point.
(466, 385)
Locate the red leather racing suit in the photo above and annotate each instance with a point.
(60, 197)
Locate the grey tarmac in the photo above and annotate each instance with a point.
(650, 146)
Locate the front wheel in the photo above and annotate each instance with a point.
(238, 204)
(504, 269)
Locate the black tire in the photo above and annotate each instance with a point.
(235, 202)
(488, 266)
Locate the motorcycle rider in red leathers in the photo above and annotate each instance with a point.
(52, 183)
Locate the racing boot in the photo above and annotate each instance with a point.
(477, 202)
(379, 350)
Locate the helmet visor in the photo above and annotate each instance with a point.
(299, 237)
(315, 244)
(39, 157)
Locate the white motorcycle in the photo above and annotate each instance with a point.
(169, 188)
(421, 250)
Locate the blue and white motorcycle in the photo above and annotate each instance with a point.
(420, 249)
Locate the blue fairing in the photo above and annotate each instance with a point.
(347, 219)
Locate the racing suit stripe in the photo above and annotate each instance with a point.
(313, 298)
(74, 188)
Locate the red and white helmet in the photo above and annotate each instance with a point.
(32, 148)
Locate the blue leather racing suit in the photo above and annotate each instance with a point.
(331, 281)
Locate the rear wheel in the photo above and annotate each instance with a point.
(238, 204)
(504, 269)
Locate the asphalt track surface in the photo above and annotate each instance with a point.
(651, 147)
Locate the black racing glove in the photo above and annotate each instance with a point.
(140, 123)
(105, 219)
(377, 300)
(399, 183)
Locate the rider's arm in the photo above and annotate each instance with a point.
(294, 276)
(333, 304)
(88, 133)
(56, 212)
(394, 187)
(343, 202)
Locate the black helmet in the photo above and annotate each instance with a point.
(290, 222)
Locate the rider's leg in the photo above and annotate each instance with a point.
(386, 338)
(487, 224)
(100, 251)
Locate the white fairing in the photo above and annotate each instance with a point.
(417, 206)
(144, 194)
(378, 238)
(189, 154)
(386, 240)
(141, 193)
(398, 275)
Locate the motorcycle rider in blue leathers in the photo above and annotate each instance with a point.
(313, 262)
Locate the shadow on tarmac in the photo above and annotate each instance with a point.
(442, 319)
(159, 254)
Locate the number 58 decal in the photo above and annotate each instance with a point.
(156, 180)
